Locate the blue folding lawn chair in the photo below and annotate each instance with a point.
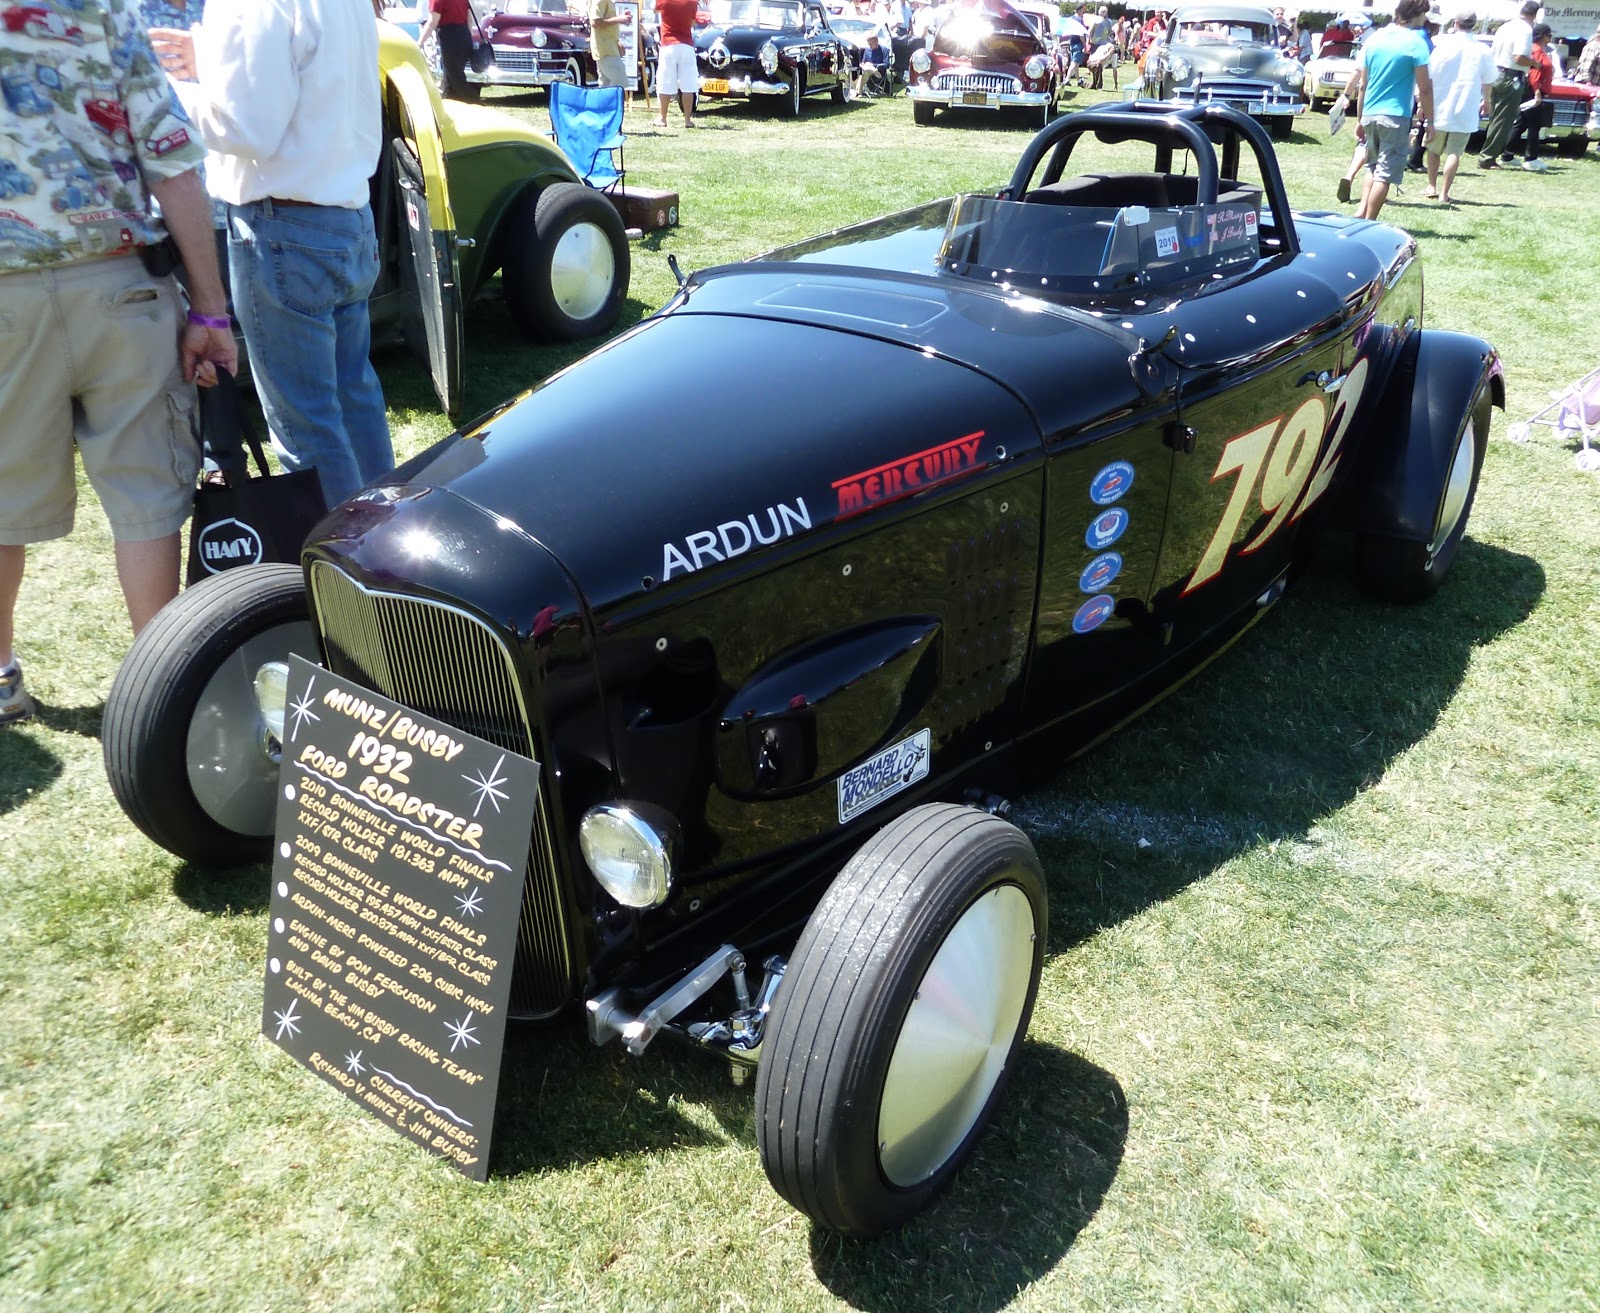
(587, 124)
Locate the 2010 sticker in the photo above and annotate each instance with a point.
(1166, 241)
(1106, 528)
(1099, 573)
(1093, 613)
(1111, 483)
(883, 775)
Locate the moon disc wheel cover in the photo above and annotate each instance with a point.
(583, 270)
(956, 1036)
(233, 777)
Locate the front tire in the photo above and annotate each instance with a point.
(900, 1017)
(1400, 570)
(922, 113)
(1281, 126)
(566, 264)
(185, 749)
(797, 91)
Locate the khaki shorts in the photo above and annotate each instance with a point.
(1445, 144)
(89, 355)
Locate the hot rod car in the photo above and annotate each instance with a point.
(463, 190)
(779, 676)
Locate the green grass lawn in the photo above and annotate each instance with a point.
(1319, 1026)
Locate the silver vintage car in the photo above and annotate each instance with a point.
(1227, 55)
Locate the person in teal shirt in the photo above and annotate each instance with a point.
(1393, 70)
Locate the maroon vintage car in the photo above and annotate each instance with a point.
(987, 55)
(534, 43)
(1573, 117)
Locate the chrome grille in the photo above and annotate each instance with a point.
(514, 59)
(445, 663)
(993, 84)
(1568, 113)
(1231, 90)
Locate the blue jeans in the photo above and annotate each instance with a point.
(301, 276)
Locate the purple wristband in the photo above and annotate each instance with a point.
(209, 321)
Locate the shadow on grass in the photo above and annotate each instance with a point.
(239, 891)
(564, 1103)
(26, 765)
(1305, 713)
(1036, 1180)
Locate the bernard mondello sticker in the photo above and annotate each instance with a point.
(883, 776)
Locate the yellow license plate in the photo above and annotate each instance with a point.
(974, 97)
(714, 86)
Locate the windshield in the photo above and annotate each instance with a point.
(1219, 33)
(1087, 249)
(775, 17)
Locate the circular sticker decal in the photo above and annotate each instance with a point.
(1099, 573)
(1093, 613)
(1109, 485)
(1106, 528)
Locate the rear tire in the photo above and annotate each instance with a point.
(183, 740)
(900, 1017)
(566, 263)
(1400, 570)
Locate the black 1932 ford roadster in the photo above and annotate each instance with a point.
(775, 673)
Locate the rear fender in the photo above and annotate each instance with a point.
(1393, 489)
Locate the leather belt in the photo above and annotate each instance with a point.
(280, 200)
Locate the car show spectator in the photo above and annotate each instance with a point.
(1513, 56)
(605, 41)
(1541, 75)
(1075, 37)
(1302, 44)
(873, 75)
(1463, 76)
(302, 251)
(1153, 31)
(1391, 74)
(1338, 39)
(1121, 33)
(450, 23)
(111, 352)
(1588, 67)
(677, 72)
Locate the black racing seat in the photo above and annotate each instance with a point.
(1157, 191)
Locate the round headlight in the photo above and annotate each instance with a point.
(1294, 76)
(1034, 68)
(920, 61)
(769, 59)
(1178, 66)
(630, 850)
(539, 38)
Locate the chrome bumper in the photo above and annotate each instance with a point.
(980, 99)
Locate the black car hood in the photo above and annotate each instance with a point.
(742, 42)
(771, 405)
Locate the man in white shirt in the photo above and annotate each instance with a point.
(1463, 75)
(286, 97)
(1513, 56)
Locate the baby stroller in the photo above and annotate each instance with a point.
(1573, 413)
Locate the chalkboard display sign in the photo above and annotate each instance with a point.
(397, 881)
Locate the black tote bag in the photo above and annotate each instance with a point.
(246, 518)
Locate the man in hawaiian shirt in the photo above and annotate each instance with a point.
(98, 350)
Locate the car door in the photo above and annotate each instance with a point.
(1260, 420)
(430, 274)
